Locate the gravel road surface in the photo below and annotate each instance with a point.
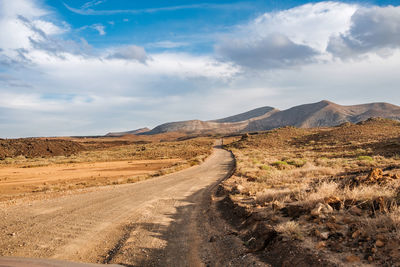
(157, 222)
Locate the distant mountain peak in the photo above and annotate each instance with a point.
(254, 113)
(327, 102)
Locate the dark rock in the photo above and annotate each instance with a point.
(293, 211)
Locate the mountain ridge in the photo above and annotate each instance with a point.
(134, 132)
(320, 114)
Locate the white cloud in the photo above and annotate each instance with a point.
(313, 33)
(9, 9)
(131, 52)
(14, 33)
(310, 24)
(92, 3)
(273, 51)
(91, 12)
(23, 29)
(286, 38)
(49, 28)
(187, 66)
(100, 28)
(27, 102)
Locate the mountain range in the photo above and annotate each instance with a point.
(320, 114)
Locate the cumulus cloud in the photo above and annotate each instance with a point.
(285, 38)
(15, 32)
(312, 33)
(42, 39)
(373, 29)
(131, 52)
(273, 51)
(24, 31)
(309, 24)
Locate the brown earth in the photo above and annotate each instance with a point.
(16, 182)
(95, 162)
(66, 146)
(35, 147)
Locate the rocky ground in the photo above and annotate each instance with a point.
(34, 147)
(330, 194)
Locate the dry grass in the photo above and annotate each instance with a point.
(291, 167)
(290, 229)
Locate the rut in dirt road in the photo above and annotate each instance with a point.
(119, 224)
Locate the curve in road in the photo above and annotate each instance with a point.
(129, 224)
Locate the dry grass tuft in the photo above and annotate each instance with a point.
(290, 229)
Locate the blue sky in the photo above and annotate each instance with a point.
(147, 22)
(80, 67)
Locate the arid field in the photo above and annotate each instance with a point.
(330, 192)
(45, 166)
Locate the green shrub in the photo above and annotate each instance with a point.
(264, 167)
(297, 162)
(280, 165)
(367, 158)
(279, 162)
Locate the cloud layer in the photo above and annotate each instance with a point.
(311, 32)
(53, 82)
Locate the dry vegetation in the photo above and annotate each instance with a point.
(94, 163)
(194, 150)
(335, 190)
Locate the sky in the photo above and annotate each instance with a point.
(80, 67)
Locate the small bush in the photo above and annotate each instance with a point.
(280, 165)
(264, 167)
(290, 229)
(297, 162)
(366, 158)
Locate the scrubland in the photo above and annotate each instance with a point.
(332, 190)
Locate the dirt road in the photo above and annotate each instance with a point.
(158, 222)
